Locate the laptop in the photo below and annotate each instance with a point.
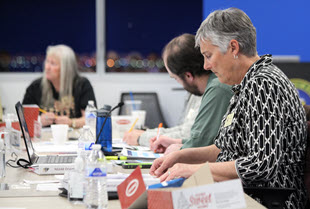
(42, 164)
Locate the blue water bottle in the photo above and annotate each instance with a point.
(105, 137)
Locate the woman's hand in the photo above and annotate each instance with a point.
(162, 164)
(180, 170)
(47, 118)
(160, 145)
(63, 120)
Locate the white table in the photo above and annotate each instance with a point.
(22, 196)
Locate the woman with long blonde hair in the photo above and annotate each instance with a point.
(61, 92)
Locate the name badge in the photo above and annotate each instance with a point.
(229, 119)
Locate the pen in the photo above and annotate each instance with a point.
(133, 125)
(158, 132)
(115, 157)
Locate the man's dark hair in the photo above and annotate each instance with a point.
(181, 56)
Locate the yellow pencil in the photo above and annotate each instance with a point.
(133, 125)
(43, 111)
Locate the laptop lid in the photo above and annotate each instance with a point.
(25, 132)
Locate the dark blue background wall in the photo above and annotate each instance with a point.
(30, 26)
(283, 26)
(146, 26)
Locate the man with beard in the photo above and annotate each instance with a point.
(185, 63)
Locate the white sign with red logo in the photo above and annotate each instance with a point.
(228, 194)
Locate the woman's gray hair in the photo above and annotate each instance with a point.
(68, 72)
(221, 26)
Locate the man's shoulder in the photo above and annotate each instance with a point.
(215, 84)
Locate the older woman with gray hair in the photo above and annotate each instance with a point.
(61, 92)
(262, 138)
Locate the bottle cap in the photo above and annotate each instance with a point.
(91, 102)
(103, 112)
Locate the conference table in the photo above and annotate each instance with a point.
(21, 195)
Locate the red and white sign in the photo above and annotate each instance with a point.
(130, 189)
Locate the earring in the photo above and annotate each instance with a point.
(235, 56)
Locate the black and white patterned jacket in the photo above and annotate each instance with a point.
(264, 130)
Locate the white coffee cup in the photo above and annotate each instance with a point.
(140, 114)
(60, 133)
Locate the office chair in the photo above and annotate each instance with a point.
(150, 104)
(272, 198)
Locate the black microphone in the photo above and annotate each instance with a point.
(105, 120)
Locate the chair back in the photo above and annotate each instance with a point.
(150, 104)
(307, 168)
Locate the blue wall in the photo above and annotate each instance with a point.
(283, 26)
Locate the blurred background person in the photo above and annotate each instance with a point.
(5, 59)
(182, 130)
(61, 92)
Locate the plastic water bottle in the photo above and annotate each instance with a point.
(77, 179)
(105, 138)
(2, 157)
(86, 140)
(90, 116)
(96, 195)
(7, 137)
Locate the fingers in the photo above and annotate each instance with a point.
(160, 149)
(171, 174)
(62, 120)
(126, 136)
(161, 168)
(130, 138)
(155, 145)
(156, 164)
(152, 140)
(47, 119)
(165, 176)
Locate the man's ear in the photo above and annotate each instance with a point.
(188, 76)
(234, 47)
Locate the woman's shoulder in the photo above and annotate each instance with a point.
(82, 82)
(36, 83)
(81, 79)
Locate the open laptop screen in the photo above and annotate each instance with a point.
(24, 128)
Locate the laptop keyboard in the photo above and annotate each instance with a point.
(55, 159)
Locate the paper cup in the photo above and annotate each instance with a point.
(60, 133)
(141, 114)
(132, 105)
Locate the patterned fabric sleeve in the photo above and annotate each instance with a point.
(263, 125)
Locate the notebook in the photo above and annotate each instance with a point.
(43, 164)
